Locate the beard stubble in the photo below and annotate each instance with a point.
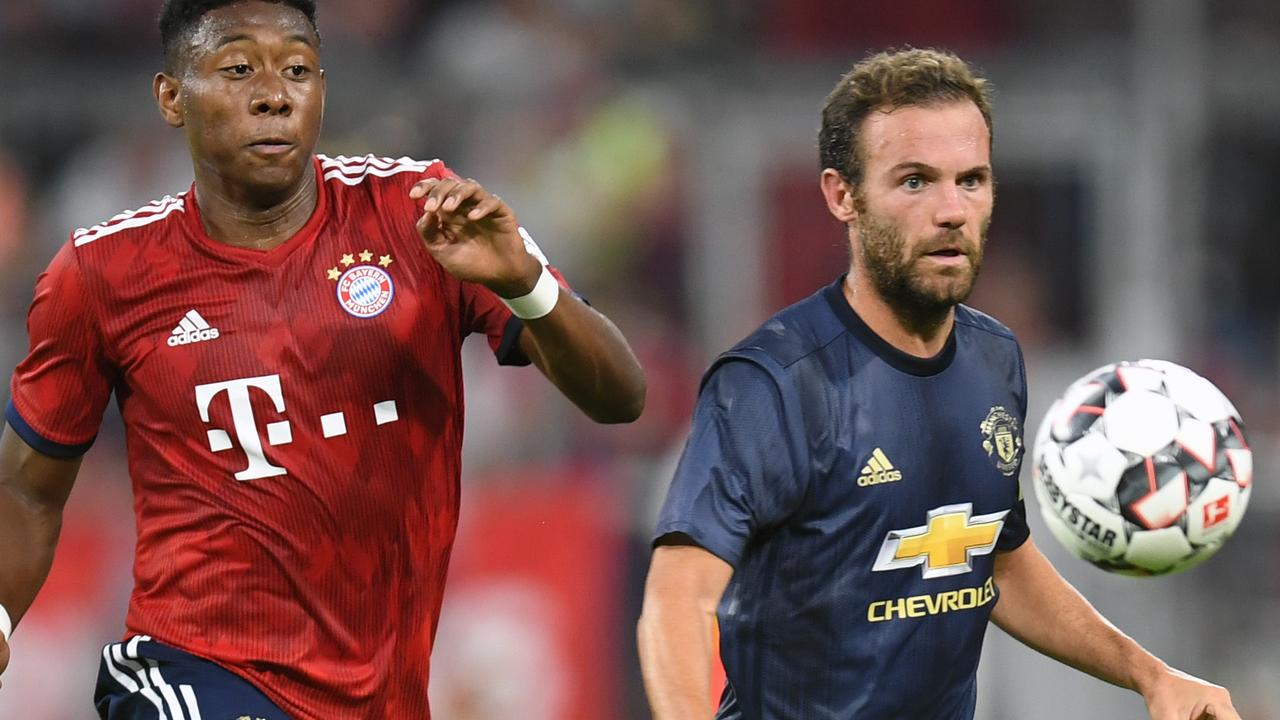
(918, 295)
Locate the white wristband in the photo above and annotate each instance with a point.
(6, 625)
(540, 301)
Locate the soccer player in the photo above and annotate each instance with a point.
(283, 344)
(847, 506)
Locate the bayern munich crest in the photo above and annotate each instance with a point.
(365, 290)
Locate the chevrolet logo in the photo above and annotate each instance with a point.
(946, 545)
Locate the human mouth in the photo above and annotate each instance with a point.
(271, 146)
(950, 255)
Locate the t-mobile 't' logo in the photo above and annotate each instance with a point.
(245, 425)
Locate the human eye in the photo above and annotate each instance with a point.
(297, 72)
(913, 182)
(237, 70)
(973, 181)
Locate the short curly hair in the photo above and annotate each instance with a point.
(180, 17)
(886, 81)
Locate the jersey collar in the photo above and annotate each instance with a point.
(276, 255)
(907, 363)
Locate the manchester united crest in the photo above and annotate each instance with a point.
(1002, 439)
(364, 290)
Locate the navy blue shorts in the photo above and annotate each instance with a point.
(140, 679)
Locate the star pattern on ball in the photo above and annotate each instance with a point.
(366, 256)
(1143, 468)
(385, 261)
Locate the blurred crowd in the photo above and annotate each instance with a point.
(593, 119)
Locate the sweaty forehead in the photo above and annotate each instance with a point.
(935, 134)
(252, 21)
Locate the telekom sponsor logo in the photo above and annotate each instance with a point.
(244, 424)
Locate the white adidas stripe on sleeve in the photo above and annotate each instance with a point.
(131, 219)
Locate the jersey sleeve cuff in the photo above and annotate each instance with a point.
(1012, 542)
(509, 352)
(716, 546)
(40, 443)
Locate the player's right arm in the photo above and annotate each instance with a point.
(33, 490)
(58, 394)
(677, 628)
(742, 471)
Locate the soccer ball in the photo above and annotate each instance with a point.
(1142, 468)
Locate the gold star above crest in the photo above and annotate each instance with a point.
(385, 261)
(334, 274)
(366, 256)
(347, 260)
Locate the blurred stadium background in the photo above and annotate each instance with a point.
(663, 153)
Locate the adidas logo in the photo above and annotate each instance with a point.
(192, 329)
(878, 470)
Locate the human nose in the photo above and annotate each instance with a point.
(270, 96)
(950, 212)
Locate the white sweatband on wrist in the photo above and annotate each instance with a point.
(6, 625)
(540, 301)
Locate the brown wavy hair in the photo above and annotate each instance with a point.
(886, 81)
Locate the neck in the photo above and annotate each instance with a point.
(917, 334)
(251, 218)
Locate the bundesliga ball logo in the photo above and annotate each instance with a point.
(1142, 468)
(365, 291)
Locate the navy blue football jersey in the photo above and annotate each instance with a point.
(860, 495)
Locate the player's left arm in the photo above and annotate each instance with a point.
(1043, 611)
(474, 235)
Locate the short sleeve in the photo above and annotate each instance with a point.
(739, 473)
(60, 390)
(484, 312)
(1022, 381)
(1016, 530)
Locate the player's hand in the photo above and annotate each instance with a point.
(1176, 695)
(474, 235)
(4, 656)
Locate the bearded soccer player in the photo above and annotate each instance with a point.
(283, 343)
(847, 504)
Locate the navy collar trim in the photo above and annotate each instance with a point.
(907, 363)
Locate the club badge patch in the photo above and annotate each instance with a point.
(364, 291)
(1002, 440)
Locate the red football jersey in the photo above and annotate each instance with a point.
(294, 424)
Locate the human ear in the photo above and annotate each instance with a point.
(840, 196)
(168, 92)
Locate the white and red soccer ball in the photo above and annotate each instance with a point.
(1142, 468)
